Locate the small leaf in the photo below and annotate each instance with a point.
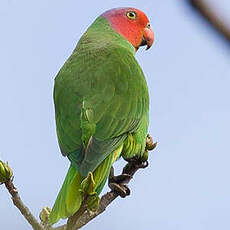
(6, 172)
(88, 185)
(44, 215)
(149, 143)
(93, 203)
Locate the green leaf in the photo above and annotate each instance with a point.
(6, 172)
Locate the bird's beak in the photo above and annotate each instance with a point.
(148, 37)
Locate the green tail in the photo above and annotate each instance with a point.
(69, 198)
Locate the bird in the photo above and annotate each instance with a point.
(101, 102)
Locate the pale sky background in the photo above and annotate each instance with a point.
(186, 185)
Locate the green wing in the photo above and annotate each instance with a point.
(100, 96)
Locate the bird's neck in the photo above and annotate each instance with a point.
(100, 33)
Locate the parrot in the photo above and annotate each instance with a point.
(101, 102)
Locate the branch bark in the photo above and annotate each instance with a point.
(83, 216)
(22, 207)
(211, 15)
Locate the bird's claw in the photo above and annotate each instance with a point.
(138, 163)
(121, 190)
(142, 165)
(121, 179)
(118, 183)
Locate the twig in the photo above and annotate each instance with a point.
(210, 14)
(106, 199)
(75, 218)
(21, 206)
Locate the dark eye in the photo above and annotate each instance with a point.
(148, 25)
(131, 15)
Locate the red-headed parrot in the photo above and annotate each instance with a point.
(101, 105)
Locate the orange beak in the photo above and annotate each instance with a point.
(148, 37)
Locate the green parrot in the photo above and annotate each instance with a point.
(101, 105)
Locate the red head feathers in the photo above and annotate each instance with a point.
(132, 24)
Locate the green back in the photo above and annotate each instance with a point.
(100, 96)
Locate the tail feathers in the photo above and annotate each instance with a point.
(69, 198)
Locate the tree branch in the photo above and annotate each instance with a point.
(22, 207)
(131, 168)
(83, 216)
(210, 14)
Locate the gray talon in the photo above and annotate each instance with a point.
(118, 183)
(121, 179)
(121, 190)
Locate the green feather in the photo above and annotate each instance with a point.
(101, 106)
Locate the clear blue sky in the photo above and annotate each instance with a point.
(187, 183)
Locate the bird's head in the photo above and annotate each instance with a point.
(132, 24)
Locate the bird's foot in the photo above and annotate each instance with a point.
(121, 190)
(141, 162)
(118, 183)
(137, 162)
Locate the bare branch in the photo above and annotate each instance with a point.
(212, 16)
(83, 216)
(22, 207)
(76, 217)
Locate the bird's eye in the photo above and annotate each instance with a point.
(148, 25)
(131, 15)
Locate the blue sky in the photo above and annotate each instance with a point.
(187, 183)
